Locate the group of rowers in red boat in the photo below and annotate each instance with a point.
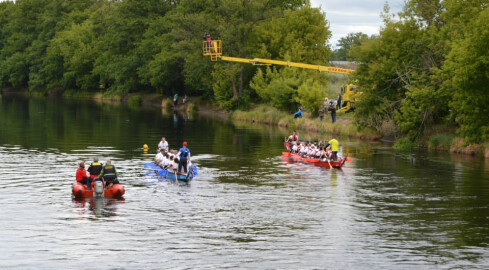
(102, 180)
(319, 153)
(313, 150)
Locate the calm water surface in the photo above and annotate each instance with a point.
(248, 208)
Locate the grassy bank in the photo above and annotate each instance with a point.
(344, 127)
(444, 142)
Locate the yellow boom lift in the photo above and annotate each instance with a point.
(213, 49)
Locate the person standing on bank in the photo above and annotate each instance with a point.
(184, 155)
(333, 113)
(338, 102)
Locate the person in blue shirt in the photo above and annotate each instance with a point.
(298, 114)
(184, 156)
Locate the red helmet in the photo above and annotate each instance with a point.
(184, 143)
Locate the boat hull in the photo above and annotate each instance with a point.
(81, 191)
(294, 157)
(169, 174)
(180, 177)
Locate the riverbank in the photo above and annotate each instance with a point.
(344, 127)
(444, 142)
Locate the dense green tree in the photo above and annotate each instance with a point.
(299, 36)
(467, 79)
(427, 68)
(129, 45)
(346, 44)
(279, 88)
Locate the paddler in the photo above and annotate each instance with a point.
(95, 168)
(293, 137)
(183, 155)
(82, 177)
(159, 158)
(109, 174)
(163, 145)
(333, 143)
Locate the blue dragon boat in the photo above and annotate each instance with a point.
(170, 174)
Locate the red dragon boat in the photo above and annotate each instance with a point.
(295, 157)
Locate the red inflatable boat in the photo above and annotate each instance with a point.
(81, 191)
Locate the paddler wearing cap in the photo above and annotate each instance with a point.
(184, 156)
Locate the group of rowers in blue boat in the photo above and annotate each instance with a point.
(171, 160)
(318, 150)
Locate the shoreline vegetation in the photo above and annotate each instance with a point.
(345, 127)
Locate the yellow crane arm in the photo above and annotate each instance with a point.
(214, 50)
(260, 61)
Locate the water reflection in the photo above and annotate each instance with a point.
(97, 206)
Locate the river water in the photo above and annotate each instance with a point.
(246, 209)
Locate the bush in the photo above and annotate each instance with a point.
(442, 141)
(134, 101)
(192, 108)
(166, 103)
(404, 144)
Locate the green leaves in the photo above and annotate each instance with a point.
(131, 45)
(428, 68)
(467, 80)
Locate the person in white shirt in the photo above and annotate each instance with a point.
(294, 147)
(163, 145)
(159, 157)
(303, 150)
(174, 165)
(170, 162)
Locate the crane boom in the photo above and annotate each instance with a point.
(214, 50)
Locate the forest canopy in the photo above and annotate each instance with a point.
(428, 69)
(155, 46)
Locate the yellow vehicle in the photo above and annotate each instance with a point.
(350, 95)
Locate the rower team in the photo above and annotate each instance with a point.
(178, 162)
(328, 152)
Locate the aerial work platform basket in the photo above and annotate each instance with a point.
(212, 48)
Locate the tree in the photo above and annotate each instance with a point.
(346, 44)
(467, 79)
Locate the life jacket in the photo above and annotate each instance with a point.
(95, 168)
(109, 170)
(184, 153)
(293, 137)
(80, 174)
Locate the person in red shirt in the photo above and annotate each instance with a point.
(82, 177)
